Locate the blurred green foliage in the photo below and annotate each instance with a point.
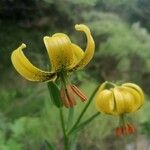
(118, 49)
(121, 32)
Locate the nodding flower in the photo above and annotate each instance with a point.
(65, 57)
(119, 101)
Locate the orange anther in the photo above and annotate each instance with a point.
(79, 93)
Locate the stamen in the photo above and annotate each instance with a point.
(64, 98)
(123, 130)
(126, 129)
(118, 131)
(131, 128)
(67, 97)
(78, 92)
(70, 96)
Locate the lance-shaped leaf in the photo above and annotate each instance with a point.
(54, 94)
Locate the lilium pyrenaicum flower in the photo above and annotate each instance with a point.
(118, 101)
(64, 56)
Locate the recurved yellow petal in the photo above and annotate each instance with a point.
(137, 88)
(59, 50)
(137, 98)
(119, 101)
(129, 100)
(105, 102)
(78, 54)
(90, 48)
(26, 69)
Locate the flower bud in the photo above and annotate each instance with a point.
(119, 100)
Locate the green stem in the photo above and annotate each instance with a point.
(84, 110)
(122, 120)
(82, 125)
(73, 142)
(70, 117)
(64, 80)
(63, 129)
(112, 84)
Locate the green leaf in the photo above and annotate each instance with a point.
(82, 125)
(54, 94)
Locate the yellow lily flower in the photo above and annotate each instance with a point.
(64, 56)
(119, 100)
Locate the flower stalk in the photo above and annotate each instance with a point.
(83, 111)
(83, 124)
(66, 141)
(70, 118)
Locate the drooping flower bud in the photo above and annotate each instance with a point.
(120, 100)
